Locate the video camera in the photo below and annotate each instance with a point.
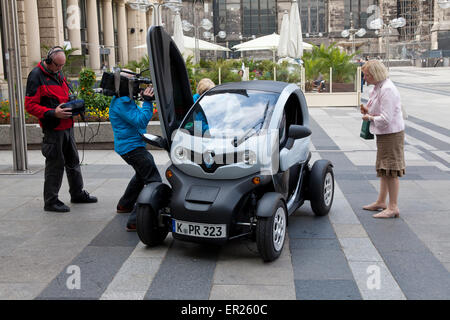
(114, 84)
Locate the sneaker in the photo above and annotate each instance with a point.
(58, 206)
(122, 209)
(83, 197)
(131, 227)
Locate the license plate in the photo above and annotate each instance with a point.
(201, 230)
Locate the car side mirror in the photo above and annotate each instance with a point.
(298, 131)
(155, 141)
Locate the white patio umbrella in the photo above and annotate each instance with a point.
(295, 44)
(269, 42)
(284, 36)
(189, 43)
(178, 33)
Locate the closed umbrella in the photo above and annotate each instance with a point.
(284, 36)
(178, 33)
(295, 44)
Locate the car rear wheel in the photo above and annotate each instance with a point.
(271, 232)
(321, 187)
(147, 226)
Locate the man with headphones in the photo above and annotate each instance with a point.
(46, 93)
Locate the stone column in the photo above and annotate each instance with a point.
(122, 35)
(336, 18)
(32, 33)
(133, 34)
(108, 32)
(92, 32)
(73, 25)
(143, 33)
(440, 32)
(59, 23)
(2, 72)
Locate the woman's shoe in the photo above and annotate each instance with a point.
(387, 214)
(374, 207)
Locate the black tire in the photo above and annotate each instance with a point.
(270, 245)
(148, 230)
(321, 187)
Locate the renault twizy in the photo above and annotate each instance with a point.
(239, 159)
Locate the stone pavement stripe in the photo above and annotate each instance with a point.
(186, 272)
(357, 247)
(97, 268)
(437, 135)
(417, 271)
(314, 248)
(429, 125)
(326, 290)
(136, 274)
(241, 274)
(97, 264)
(438, 144)
(434, 157)
(421, 89)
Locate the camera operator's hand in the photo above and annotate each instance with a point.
(62, 113)
(148, 94)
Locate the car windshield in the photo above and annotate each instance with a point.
(230, 113)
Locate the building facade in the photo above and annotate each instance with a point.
(107, 32)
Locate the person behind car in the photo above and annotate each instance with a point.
(204, 85)
(129, 122)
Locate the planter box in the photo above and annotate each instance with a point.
(98, 134)
(343, 87)
(335, 99)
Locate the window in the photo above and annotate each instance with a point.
(358, 10)
(259, 17)
(313, 16)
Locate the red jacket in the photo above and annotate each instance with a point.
(46, 91)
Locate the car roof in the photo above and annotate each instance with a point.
(262, 85)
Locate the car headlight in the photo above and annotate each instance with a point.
(249, 157)
(180, 153)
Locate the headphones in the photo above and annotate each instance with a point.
(51, 52)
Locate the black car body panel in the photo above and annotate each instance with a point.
(170, 80)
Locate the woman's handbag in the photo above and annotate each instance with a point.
(365, 132)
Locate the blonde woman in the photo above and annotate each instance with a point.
(384, 112)
(203, 85)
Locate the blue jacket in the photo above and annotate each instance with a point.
(195, 97)
(128, 122)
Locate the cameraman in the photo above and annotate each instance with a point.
(128, 122)
(47, 91)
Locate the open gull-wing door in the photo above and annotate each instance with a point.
(170, 81)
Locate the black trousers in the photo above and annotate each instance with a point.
(145, 172)
(60, 152)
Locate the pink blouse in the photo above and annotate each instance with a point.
(386, 108)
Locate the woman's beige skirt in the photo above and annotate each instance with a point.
(390, 155)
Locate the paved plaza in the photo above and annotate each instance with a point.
(345, 255)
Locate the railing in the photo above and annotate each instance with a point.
(318, 93)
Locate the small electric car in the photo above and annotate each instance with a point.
(240, 159)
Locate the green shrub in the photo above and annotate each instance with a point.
(93, 101)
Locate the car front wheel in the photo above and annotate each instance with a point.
(271, 232)
(147, 226)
